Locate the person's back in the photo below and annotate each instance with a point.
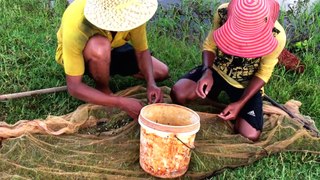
(102, 38)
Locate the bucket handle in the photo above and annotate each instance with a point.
(192, 148)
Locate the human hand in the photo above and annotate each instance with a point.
(231, 111)
(131, 106)
(204, 85)
(154, 94)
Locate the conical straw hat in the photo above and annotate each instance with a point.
(119, 15)
(248, 29)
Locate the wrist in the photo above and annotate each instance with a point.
(241, 102)
(121, 102)
(206, 69)
(151, 84)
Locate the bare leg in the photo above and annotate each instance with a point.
(183, 91)
(160, 70)
(97, 55)
(246, 130)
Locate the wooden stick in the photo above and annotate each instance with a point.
(273, 102)
(32, 93)
(293, 116)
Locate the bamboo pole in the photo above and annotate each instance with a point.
(293, 116)
(32, 93)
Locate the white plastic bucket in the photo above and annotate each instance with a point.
(167, 133)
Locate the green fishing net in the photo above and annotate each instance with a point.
(83, 144)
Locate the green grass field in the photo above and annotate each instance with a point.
(27, 48)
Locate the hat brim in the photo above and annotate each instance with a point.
(119, 16)
(237, 42)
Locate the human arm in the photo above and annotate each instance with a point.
(260, 78)
(269, 61)
(209, 48)
(204, 85)
(154, 93)
(80, 90)
(138, 38)
(233, 109)
(73, 43)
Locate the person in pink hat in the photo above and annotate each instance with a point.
(238, 57)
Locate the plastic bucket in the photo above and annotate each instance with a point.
(167, 133)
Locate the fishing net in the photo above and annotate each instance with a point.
(83, 145)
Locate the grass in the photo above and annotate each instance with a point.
(27, 51)
(28, 41)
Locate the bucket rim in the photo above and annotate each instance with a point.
(194, 127)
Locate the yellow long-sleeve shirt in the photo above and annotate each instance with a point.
(75, 31)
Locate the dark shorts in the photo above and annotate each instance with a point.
(123, 61)
(251, 112)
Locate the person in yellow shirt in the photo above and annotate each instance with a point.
(238, 57)
(102, 38)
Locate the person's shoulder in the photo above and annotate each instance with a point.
(278, 26)
(224, 5)
(222, 10)
(74, 23)
(74, 12)
(280, 33)
(142, 27)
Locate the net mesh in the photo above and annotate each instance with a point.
(74, 146)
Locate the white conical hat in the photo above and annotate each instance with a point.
(119, 15)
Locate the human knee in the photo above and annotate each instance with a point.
(98, 48)
(177, 96)
(161, 73)
(246, 129)
(252, 135)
